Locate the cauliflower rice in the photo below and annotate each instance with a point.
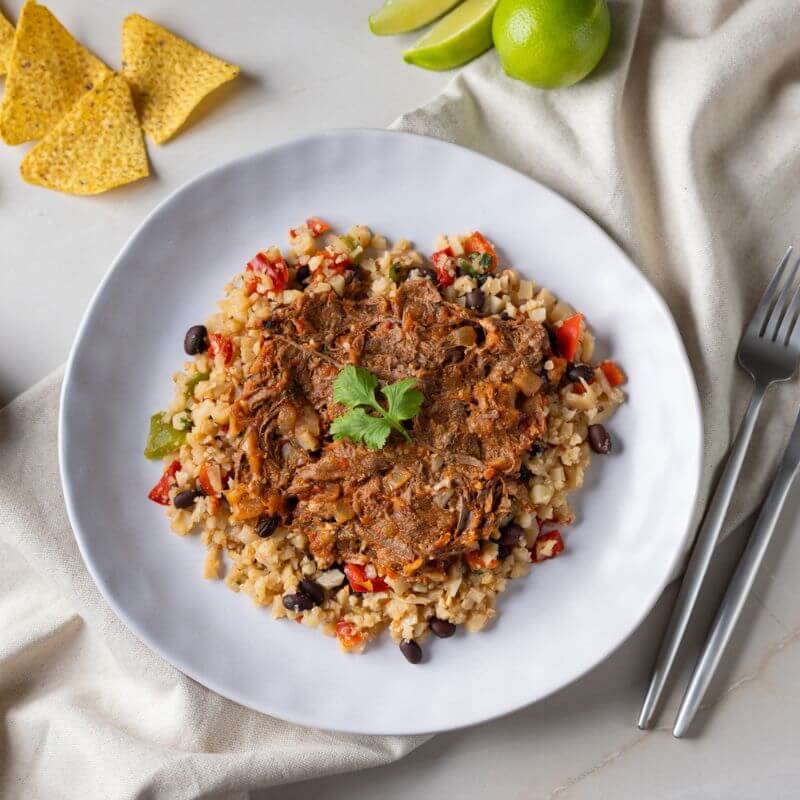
(462, 591)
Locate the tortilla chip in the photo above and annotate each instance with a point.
(6, 38)
(94, 147)
(47, 72)
(168, 76)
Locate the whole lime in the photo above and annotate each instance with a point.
(551, 43)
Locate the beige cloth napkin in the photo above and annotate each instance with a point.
(683, 145)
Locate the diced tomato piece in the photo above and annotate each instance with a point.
(548, 545)
(340, 264)
(210, 479)
(276, 268)
(614, 375)
(317, 226)
(348, 635)
(359, 582)
(445, 274)
(160, 492)
(478, 243)
(219, 344)
(568, 335)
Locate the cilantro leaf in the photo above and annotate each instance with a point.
(403, 399)
(355, 386)
(358, 426)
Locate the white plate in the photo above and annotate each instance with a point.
(562, 620)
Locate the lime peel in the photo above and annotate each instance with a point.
(462, 35)
(401, 16)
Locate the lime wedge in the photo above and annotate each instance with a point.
(463, 34)
(399, 16)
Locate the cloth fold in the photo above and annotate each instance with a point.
(682, 145)
(86, 705)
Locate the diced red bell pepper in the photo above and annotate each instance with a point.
(359, 582)
(340, 264)
(348, 635)
(317, 226)
(445, 275)
(542, 549)
(277, 270)
(219, 344)
(568, 335)
(160, 492)
(210, 479)
(614, 375)
(478, 243)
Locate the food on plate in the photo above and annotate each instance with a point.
(399, 16)
(168, 76)
(48, 71)
(95, 146)
(462, 35)
(549, 44)
(6, 38)
(373, 439)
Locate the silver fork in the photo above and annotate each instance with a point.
(769, 351)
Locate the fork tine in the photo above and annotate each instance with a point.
(790, 329)
(759, 320)
(779, 308)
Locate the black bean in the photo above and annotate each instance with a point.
(510, 534)
(599, 439)
(314, 591)
(454, 355)
(575, 372)
(504, 315)
(297, 602)
(186, 498)
(502, 551)
(290, 502)
(266, 525)
(196, 340)
(537, 448)
(302, 273)
(442, 628)
(474, 299)
(427, 272)
(411, 650)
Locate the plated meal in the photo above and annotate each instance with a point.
(369, 439)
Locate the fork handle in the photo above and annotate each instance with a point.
(732, 604)
(699, 562)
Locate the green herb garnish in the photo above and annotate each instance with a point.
(485, 260)
(467, 268)
(355, 388)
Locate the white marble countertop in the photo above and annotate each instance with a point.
(310, 65)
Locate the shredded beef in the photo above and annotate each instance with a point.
(432, 497)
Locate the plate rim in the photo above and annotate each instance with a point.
(300, 718)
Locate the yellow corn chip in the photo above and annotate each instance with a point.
(6, 38)
(168, 76)
(47, 72)
(94, 147)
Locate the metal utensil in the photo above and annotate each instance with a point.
(769, 351)
(732, 604)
